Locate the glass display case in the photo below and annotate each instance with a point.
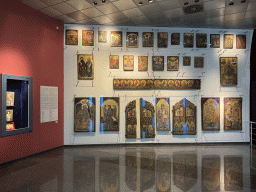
(17, 104)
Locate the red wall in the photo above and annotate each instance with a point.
(31, 45)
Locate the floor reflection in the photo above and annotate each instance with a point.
(167, 168)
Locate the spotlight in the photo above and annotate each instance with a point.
(231, 3)
(140, 3)
(150, 1)
(196, 1)
(103, 1)
(243, 1)
(186, 3)
(95, 3)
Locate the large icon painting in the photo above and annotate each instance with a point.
(232, 113)
(175, 39)
(132, 39)
(71, 37)
(215, 40)
(228, 71)
(88, 37)
(233, 173)
(184, 118)
(85, 114)
(210, 114)
(228, 41)
(85, 67)
(162, 39)
(162, 114)
(116, 39)
(201, 40)
(128, 62)
(109, 114)
(172, 63)
(184, 171)
(158, 63)
(188, 40)
(114, 62)
(109, 175)
(211, 173)
(148, 39)
(146, 111)
(241, 41)
(142, 63)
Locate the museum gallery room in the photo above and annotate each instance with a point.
(127, 95)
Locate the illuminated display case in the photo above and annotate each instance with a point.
(17, 104)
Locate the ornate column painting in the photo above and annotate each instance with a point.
(84, 114)
(215, 40)
(233, 173)
(162, 114)
(228, 71)
(71, 37)
(175, 39)
(211, 173)
(172, 63)
(142, 63)
(147, 112)
(85, 67)
(184, 118)
(241, 41)
(201, 40)
(228, 41)
(148, 39)
(132, 39)
(131, 120)
(184, 171)
(163, 175)
(109, 114)
(109, 177)
(114, 62)
(84, 174)
(210, 114)
(162, 39)
(232, 113)
(116, 39)
(88, 37)
(157, 63)
(188, 40)
(128, 62)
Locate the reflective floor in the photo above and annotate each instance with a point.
(134, 168)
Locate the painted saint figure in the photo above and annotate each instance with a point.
(81, 71)
(162, 118)
(89, 67)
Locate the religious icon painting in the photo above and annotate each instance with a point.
(88, 37)
(148, 39)
(175, 39)
(102, 36)
(109, 114)
(162, 39)
(9, 115)
(71, 37)
(114, 62)
(128, 62)
(186, 61)
(163, 175)
(210, 114)
(10, 126)
(241, 41)
(233, 173)
(211, 172)
(109, 177)
(158, 63)
(199, 62)
(85, 68)
(85, 114)
(228, 71)
(10, 98)
(232, 113)
(131, 120)
(116, 39)
(201, 40)
(228, 41)
(215, 40)
(132, 39)
(172, 63)
(188, 40)
(143, 63)
(162, 114)
(184, 118)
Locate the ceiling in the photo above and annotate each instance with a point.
(159, 13)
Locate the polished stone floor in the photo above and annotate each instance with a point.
(134, 168)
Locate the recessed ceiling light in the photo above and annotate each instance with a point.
(186, 3)
(103, 1)
(150, 1)
(95, 3)
(140, 3)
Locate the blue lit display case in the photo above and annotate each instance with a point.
(17, 104)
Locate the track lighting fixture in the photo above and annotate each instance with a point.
(103, 1)
(150, 1)
(186, 3)
(95, 3)
(140, 3)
